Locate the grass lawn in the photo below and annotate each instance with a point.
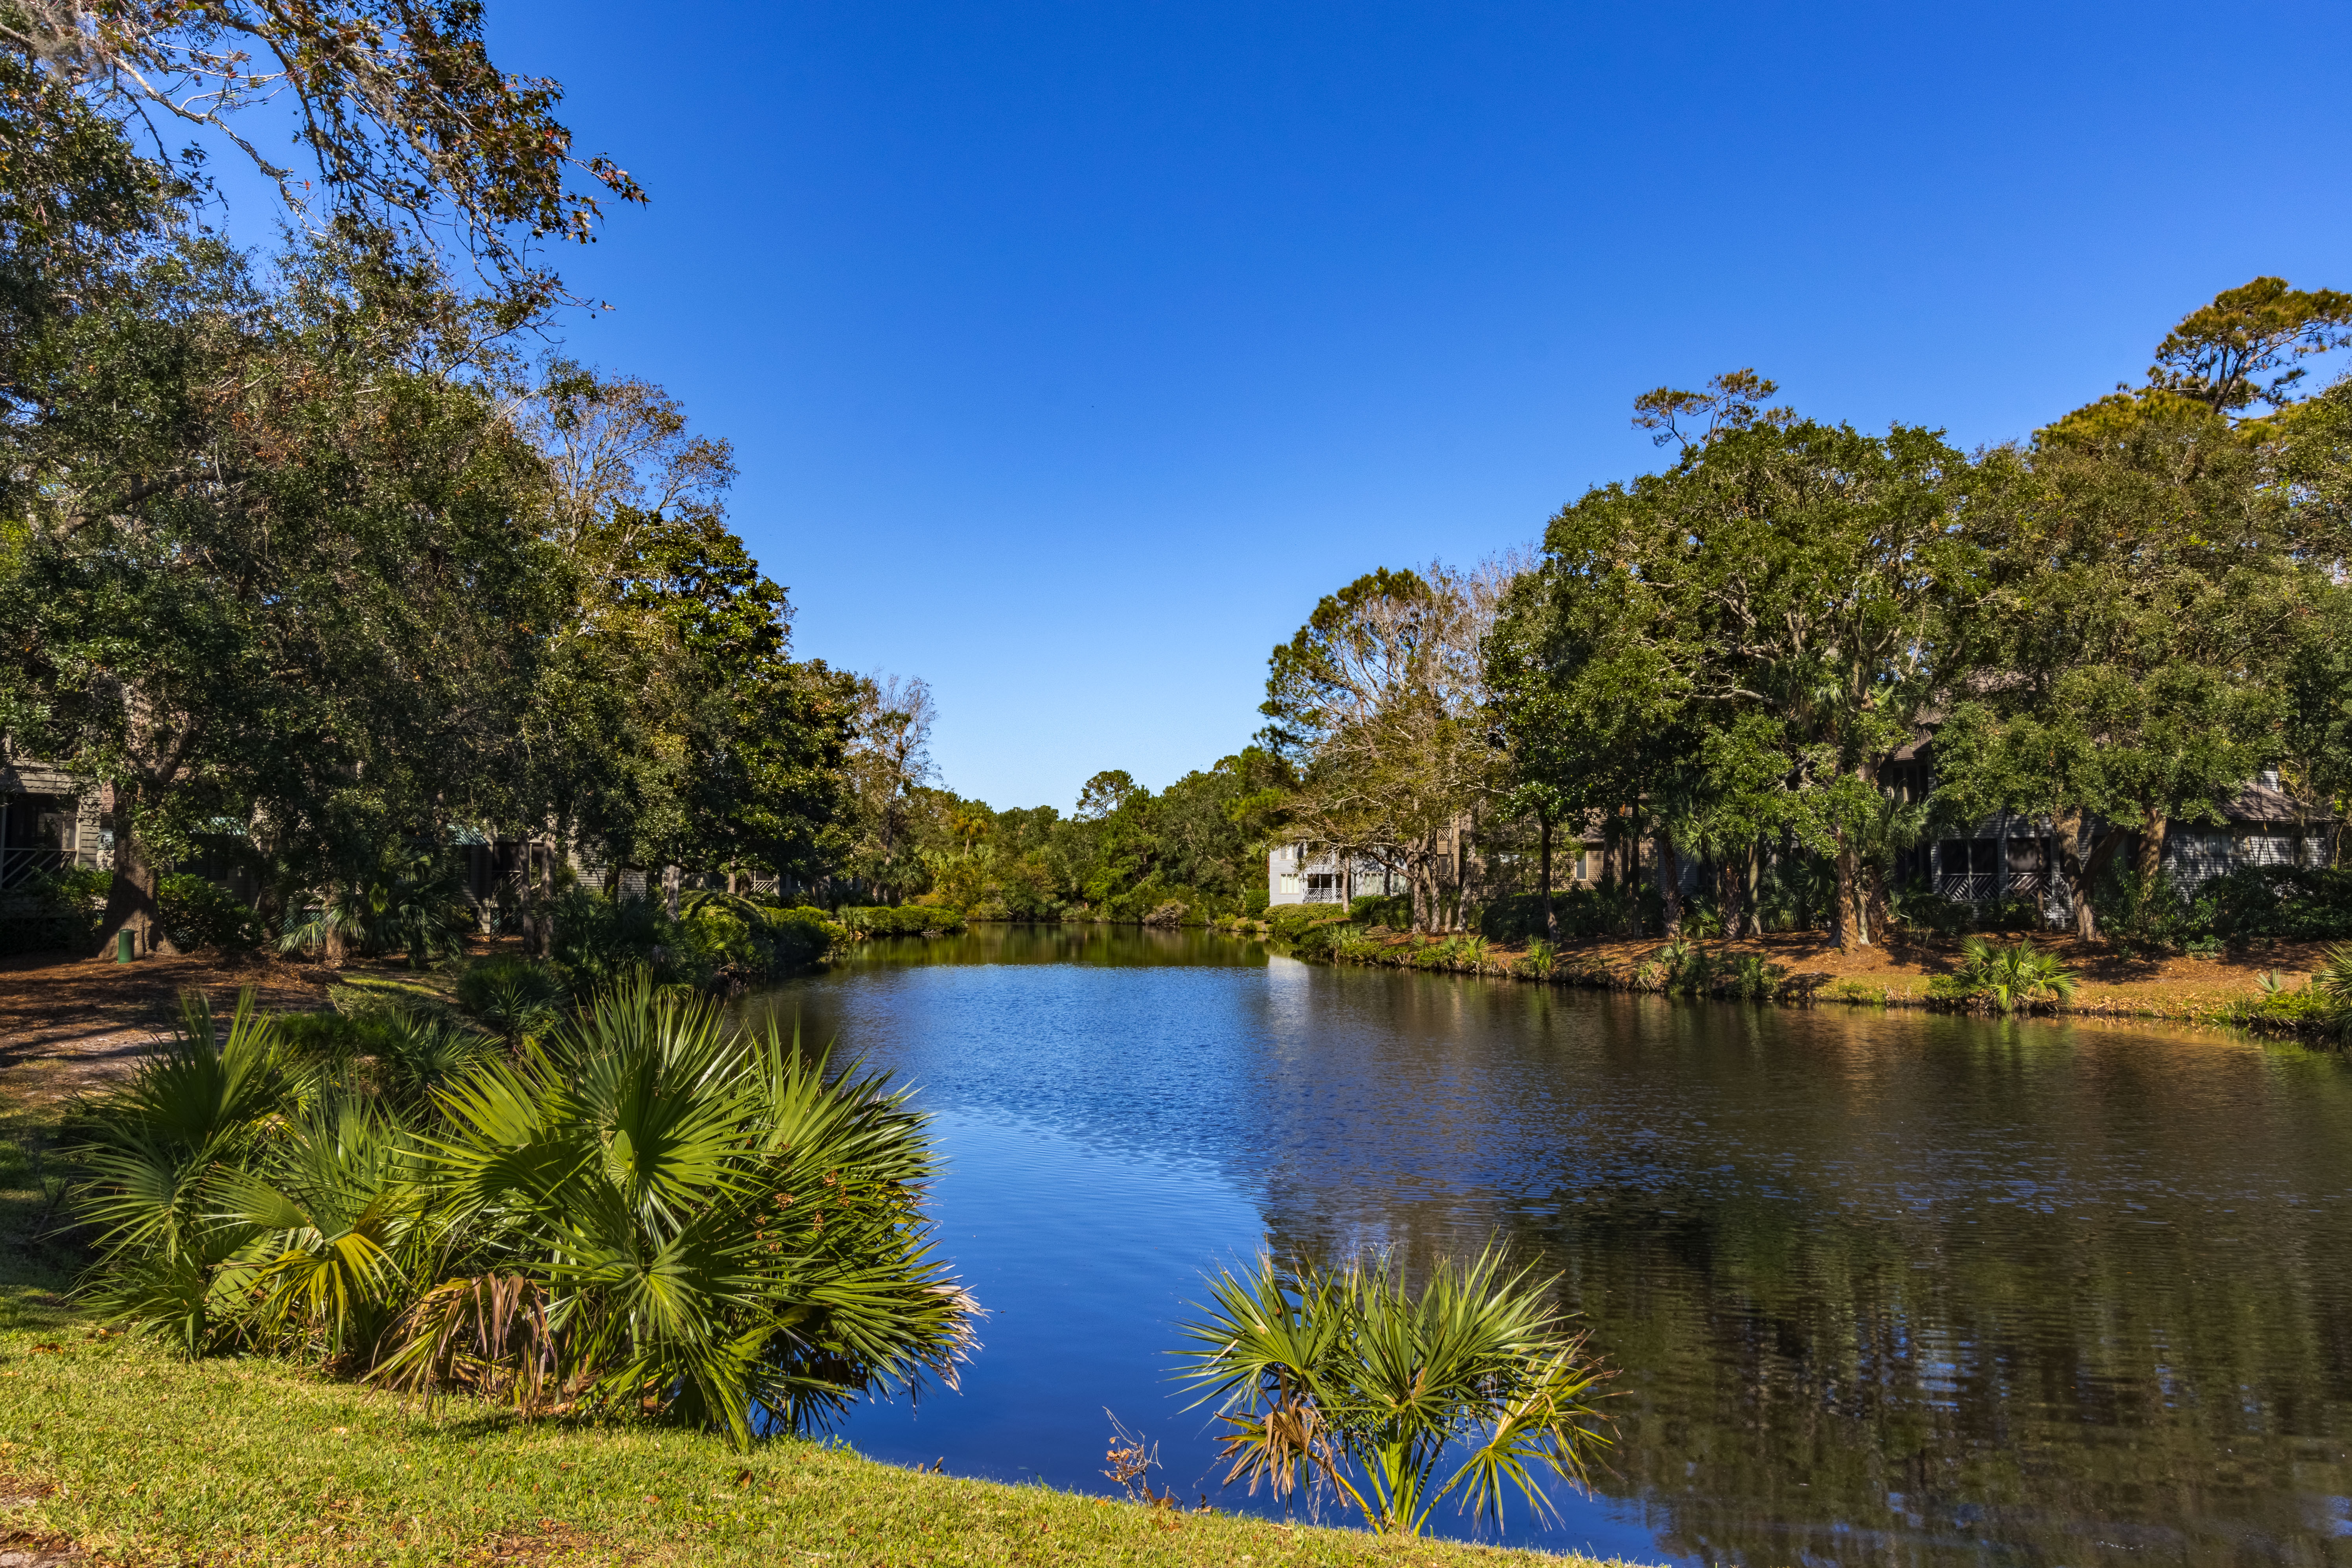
(140, 1458)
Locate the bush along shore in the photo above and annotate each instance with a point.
(2270, 987)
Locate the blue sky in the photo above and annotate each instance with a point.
(1071, 351)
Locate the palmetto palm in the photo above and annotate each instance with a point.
(207, 1102)
(719, 1229)
(652, 1211)
(238, 1195)
(1349, 1377)
(2008, 978)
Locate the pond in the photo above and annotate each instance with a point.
(1882, 1287)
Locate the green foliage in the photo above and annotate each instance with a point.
(198, 913)
(55, 912)
(653, 1213)
(1607, 909)
(600, 942)
(1751, 978)
(904, 919)
(799, 937)
(1917, 907)
(2309, 1011)
(1291, 923)
(517, 999)
(1396, 1398)
(1392, 910)
(2003, 979)
(410, 900)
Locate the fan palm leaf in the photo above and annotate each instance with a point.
(1347, 1376)
(722, 1227)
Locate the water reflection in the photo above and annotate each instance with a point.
(1885, 1287)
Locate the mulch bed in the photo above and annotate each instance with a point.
(66, 1021)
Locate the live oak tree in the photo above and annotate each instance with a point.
(1777, 598)
(293, 596)
(212, 479)
(2141, 602)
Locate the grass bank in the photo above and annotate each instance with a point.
(140, 1459)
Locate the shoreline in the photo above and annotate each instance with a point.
(2111, 983)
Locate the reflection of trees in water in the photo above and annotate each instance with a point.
(1984, 1374)
(1042, 941)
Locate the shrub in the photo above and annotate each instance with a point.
(197, 914)
(600, 942)
(1289, 922)
(1685, 967)
(800, 936)
(1171, 913)
(1391, 910)
(1583, 913)
(1351, 1377)
(517, 999)
(1916, 907)
(58, 911)
(2294, 903)
(1752, 978)
(537, 1245)
(328, 1039)
(909, 920)
(410, 900)
(2003, 979)
(2316, 1009)
(1701, 917)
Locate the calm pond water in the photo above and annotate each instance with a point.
(1884, 1288)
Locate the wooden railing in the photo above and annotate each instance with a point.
(1989, 887)
(21, 863)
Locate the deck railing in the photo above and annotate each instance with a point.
(21, 863)
(1989, 887)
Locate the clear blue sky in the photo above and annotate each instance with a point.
(1071, 351)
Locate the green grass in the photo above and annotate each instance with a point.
(142, 1457)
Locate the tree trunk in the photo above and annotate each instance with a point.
(1552, 920)
(131, 900)
(1841, 903)
(1875, 909)
(2151, 846)
(2081, 864)
(670, 878)
(1669, 886)
(1729, 882)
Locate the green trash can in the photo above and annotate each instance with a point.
(126, 946)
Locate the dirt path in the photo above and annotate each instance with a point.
(67, 1022)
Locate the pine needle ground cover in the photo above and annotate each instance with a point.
(139, 1456)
